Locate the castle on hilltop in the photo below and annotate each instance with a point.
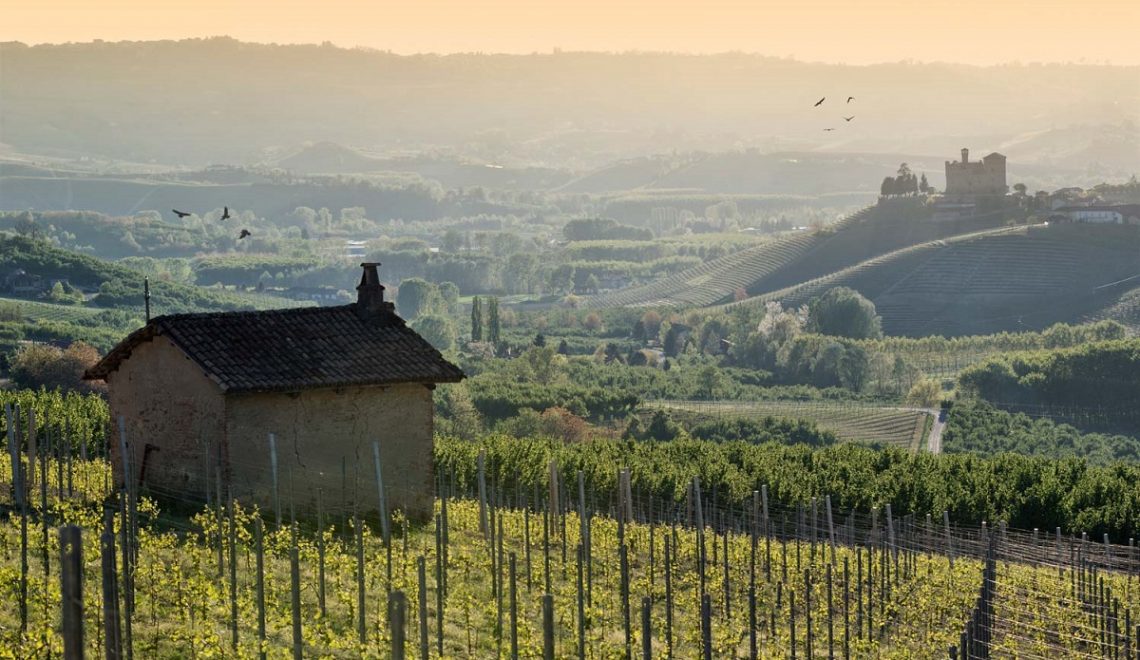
(971, 179)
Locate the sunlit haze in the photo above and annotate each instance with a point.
(968, 31)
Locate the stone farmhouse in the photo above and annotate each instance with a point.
(199, 395)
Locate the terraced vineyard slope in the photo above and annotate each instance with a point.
(851, 421)
(1009, 279)
(41, 311)
(873, 231)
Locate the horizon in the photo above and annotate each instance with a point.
(972, 32)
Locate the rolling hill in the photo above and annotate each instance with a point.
(1018, 278)
(798, 257)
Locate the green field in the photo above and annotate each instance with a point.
(851, 421)
(40, 311)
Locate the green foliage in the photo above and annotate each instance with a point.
(438, 330)
(497, 398)
(603, 229)
(417, 296)
(1102, 375)
(85, 416)
(844, 312)
(1026, 492)
(44, 366)
(978, 427)
(476, 319)
(494, 323)
(766, 429)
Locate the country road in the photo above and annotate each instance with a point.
(934, 442)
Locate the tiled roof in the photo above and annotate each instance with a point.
(294, 349)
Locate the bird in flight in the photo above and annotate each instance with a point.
(225, 213)
(244, 233)
(850, 99)
(829, 129)
(849, 118)
(180, 214)
(817, 103)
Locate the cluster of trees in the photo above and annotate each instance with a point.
(1026, 492)
(904, 183)
(980, 428)
(604, 229)
(1102, 375)
(490, 330)
(785, 341)
(38, 366)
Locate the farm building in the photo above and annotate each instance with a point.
(196, 391)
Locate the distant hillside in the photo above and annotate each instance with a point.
(126, 195)
(329, 158)
(117, 285)
(201, 101)
(1005, 279)
(798, 257)
(450, 172)
(751, 172)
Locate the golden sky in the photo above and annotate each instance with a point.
(852, 31)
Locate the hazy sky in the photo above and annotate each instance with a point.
(853, 31)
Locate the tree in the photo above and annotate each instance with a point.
(476, 319)
(416, 296)
(887, 188)
(521, 269)
(592, 322)
(1020, 189)
(452, 240)
(41, 365)
(652, 322)
(923, 186)
(563, 348)
(494, 327)
(437, 330)
(661, 428)
(638, 331)
(926, 393)
(709, 381)
(844, 312)
(539, 340)
(449, 294)
(592, 283)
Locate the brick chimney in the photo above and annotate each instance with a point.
(370, 294)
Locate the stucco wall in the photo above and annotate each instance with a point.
(167, 401)
(319, 431)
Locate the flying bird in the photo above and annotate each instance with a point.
(849, 118)
(817, 103)
(850, 99)
(180, 214)
(225, 213)
(244, 233)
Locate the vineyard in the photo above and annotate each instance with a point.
(41, 311)
(851, 421)
(1007, 271)
(516, 563)
(713, 281)
(784, 263)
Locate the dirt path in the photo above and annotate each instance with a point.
(934, 442)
